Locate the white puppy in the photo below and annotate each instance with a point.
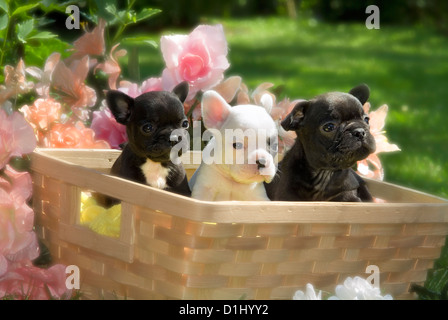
(240, 155)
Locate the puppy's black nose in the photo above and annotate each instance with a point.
(359, 133)
(261, 163)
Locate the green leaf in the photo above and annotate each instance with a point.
(24, 29)
(21, 9)
(111, 9)
(139, 40)
(4, 21)
(54, 5)
(4, 6)
(43, 35)
(119, 16)
(147, 13)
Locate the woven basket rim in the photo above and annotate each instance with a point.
(238, 211)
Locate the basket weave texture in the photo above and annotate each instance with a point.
(172, 247)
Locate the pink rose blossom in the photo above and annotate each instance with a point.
(199, 58)
(16, 137)
(133, 90)
(107, 128)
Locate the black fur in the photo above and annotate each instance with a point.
(332, 135)
(150, 120)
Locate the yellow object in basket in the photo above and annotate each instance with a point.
(99, 219)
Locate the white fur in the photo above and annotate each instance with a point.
(155, 174)
(220, 181)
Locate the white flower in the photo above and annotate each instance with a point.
(358, 289)
(310, 294)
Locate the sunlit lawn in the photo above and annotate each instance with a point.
(406, 68)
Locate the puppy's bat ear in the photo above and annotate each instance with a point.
(181, 91)
(215, 109)
(293, 119)
(361, 92)
(120, 104)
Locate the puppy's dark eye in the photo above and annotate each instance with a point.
(366, 120)
(147, 128)
(185, 124)
(237, 145)
(328, 127)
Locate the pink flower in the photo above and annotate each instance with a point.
(69, 83)
(45, 76)
(27, 282)
(107, 128)
(227, 89)
(111, 66)
(17, 238)
(15, 82)
(133, 90)
(42, 113)
(371, 166)
(199, 58)
(91, 43)
(67, 135)
(16, 137)
(279, 113)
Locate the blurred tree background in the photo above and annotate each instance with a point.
(185, 13)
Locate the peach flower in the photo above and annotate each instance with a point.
(45, 76)
(67, 135)
(42, 113)
(199, 58)
(15, 82)
(111, 66)
(69, 83)
(91, 43)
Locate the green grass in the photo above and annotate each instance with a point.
(405, 67)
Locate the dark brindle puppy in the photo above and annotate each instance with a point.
(332, 135)
(155, 122)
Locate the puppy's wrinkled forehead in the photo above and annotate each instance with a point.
(339, 105)
(160, 107)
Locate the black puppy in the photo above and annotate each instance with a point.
(332, 135)
(155, 122)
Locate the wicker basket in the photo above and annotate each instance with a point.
(173, 247)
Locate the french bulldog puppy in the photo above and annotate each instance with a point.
(239, 157)
(153, 122)
(332, 135)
